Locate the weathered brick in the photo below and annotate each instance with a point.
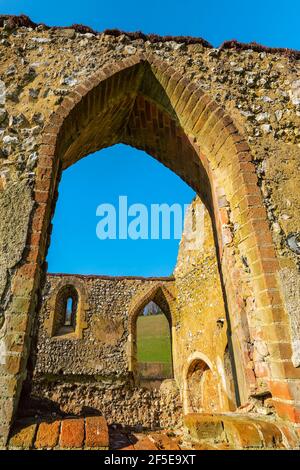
(23, 436)
(72, 433)
(47, 435)
(96, 432)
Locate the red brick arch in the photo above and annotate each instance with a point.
(144, 102)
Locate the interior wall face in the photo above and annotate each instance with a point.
(225, 120)
(201, 330)
(99, 357)
(76, 371)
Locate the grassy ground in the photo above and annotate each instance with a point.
(153, 339)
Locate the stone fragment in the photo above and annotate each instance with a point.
(67, 33)
(293, 242)
(178, 46)
(2, 93)
(41, 40)
(70, 81)
(267, 99)
(294, 92)
(38, 118)
(238, 70)
(32, 160)
(129, 50)
(266, 128)
(33, 93)
(18, 120)
(11, 70)
(262, 117)
(89, 35)
(10, 140)
(3, 115)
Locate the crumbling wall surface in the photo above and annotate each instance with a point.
(201, 328)
(92, 372)
(259, 89)
(102, 351)
(119, 402)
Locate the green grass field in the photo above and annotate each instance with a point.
(153, 339)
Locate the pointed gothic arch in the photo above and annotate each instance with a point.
(164, 299)
(144, 102)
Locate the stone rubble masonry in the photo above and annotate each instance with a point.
(76, 372)
(226, 121)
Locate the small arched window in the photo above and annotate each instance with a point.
(69, 311)
(66, 310)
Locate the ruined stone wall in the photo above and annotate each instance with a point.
(119, 403)
(258, 93)
(261, 90)
(102, 349)
(74, 374)
(92, 371)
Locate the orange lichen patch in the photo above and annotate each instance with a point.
(72, 433)
(242, 434)
(47, 435)
(96, 431)
(204, 426)
(271, 434)
(23, 437)
(238, 431)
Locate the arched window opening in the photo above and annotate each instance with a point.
(66, 311)
(154, 346)
(202, 388)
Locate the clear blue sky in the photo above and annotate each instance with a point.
(102, 178)
(269, 22)
(123, 171)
